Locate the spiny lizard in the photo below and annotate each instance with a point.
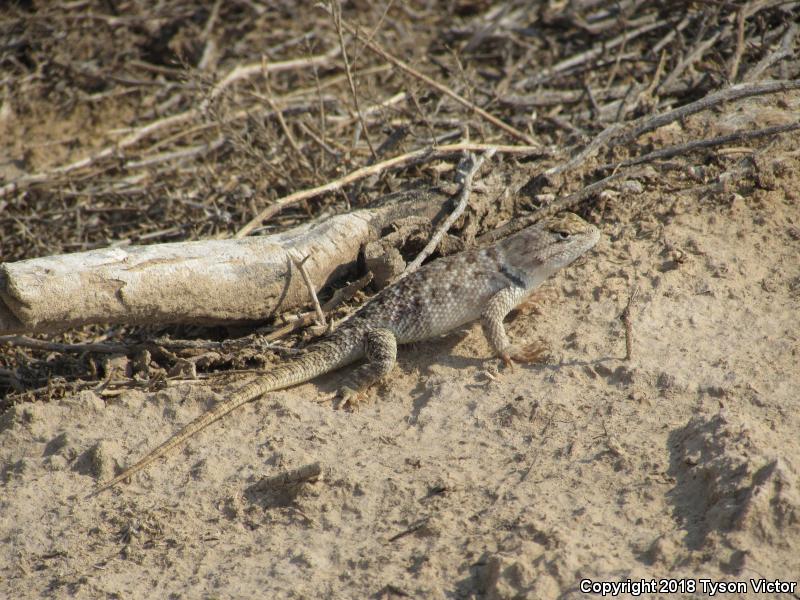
(481, 284)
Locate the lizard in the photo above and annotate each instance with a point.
(482, 283)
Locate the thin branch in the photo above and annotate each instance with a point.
(209, 56)
(735, 92)
(784, 51)
(436, 85)
(679, 149)
(282, 122)
(339, 296)
(343, 121)
(597, 50)
(253, 69)
(417, 156)
(182, 154)
(24, 341)
(318, 140)
(733, 69)
(693, 57)
(336, 13)
(301, 266)
(627, 319)
(600, 140)
(622, 134)
(463, 201)
(565, 203)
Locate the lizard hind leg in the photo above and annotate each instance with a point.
(380, 349)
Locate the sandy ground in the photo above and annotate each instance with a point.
(457, 478)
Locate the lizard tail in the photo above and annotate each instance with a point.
(298, 370)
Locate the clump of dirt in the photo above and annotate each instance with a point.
(732, 488)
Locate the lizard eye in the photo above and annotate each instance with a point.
(563, 235)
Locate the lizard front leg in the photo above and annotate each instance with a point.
(380, 349)
(496, 310)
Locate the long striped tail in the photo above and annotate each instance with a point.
(317, 361)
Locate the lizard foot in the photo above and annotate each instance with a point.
(349, 398)
(530, 353)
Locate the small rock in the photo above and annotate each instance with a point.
(117, 366)
(85, 399)
(632, 186)
(55, 462)
(102, 459)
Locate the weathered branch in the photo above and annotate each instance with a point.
(205, 282)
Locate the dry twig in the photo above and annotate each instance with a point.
(565, 203)
(681, 149)
(336, 13)
(627, 318)
(24, 341)
(463, 200)
(301, 266)
(339, 296)
(784, 50)
(622, 134)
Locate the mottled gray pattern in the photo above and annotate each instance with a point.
(441, 296)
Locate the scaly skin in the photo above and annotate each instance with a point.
(481, 284)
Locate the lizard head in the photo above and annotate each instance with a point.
(551, 244)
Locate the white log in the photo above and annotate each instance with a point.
(203, 282)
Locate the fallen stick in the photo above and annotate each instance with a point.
(680, 149)
(565, 203)
(627, 320)
(341, 295)
(463, 201)
(204, 282)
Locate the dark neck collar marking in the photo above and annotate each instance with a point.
(513, 277)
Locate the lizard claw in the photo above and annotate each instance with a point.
(530, 353)
(507, 360)
(348, 397)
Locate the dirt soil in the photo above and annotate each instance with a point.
(456, 477)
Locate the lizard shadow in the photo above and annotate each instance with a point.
(420, 357)
(607, 367)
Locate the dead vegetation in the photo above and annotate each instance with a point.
(124, 124)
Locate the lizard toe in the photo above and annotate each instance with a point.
(507, 360)
(530, 353)
(349, 397)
